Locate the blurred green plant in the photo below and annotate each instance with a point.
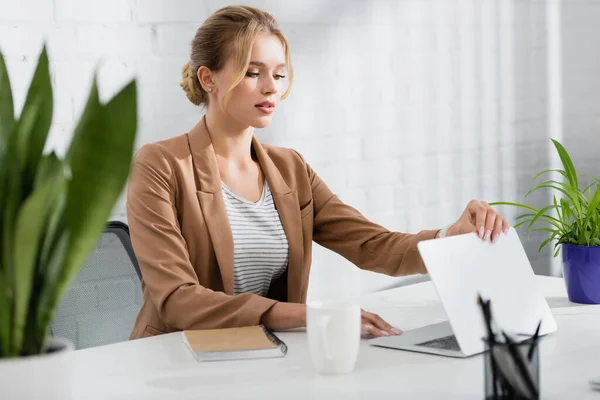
(573, 218)
(52, 209)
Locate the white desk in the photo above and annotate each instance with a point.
(162, 368)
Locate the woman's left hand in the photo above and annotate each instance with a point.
(481, 218)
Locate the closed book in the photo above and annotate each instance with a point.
(234, 343)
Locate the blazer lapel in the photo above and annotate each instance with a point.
(286, 201)
(211, 201)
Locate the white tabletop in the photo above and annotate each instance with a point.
(163, 368)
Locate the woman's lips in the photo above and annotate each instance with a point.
(266, 107)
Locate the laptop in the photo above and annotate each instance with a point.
(462, 266)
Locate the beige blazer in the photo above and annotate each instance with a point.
(183, 241)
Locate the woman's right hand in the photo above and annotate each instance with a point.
(374, 325)
(293, 315)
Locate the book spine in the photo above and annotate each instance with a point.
(274, 339)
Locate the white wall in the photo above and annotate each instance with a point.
(408, 109)
(581, 83)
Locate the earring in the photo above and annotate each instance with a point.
(209, 89)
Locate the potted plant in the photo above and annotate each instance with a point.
(573, 223)
(52, 211)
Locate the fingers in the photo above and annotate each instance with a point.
(497, 229)
(376, 326)
(490, 221)
(489, 224)
(505, 225)
(371, 330)
(478, 211)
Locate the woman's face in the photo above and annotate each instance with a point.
(254, 100)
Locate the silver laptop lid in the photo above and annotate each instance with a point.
(462, 266)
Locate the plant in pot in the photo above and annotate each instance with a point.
(573, 224)
(52, 211)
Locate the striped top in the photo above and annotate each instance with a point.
(260, 247)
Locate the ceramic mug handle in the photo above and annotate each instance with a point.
(323, 324)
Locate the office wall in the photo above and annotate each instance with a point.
(581, 83)
(407, 109)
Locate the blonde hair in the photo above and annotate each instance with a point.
(230, 31)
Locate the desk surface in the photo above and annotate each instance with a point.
(163, 368)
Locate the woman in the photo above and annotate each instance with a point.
(223, 225)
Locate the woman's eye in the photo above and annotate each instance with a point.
(255, 75)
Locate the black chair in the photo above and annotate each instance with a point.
(102, 302)
(122, 231)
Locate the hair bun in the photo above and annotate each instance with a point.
(188, 84)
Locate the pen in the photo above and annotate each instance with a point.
(516, 356)
(491, 340)
(486, 316)
(533, 341)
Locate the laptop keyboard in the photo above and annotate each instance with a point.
(445, 343)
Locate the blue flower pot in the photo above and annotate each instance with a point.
(581, 270)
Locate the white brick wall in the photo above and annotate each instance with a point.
(581, 63)
(427, 103)
(26, 11)
(93, 11)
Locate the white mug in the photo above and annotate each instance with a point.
(333, 329)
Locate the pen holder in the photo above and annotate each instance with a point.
(512, 371)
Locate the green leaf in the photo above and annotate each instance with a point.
(507, 203)
(558, 210)
(87, 207)
(34, 123)
(524, 216)
(7, 122)
(5, 316)
(521, 223)
(540, 214)
(22, 151)
(572, 194)
(596, 182)
(100, 159)
(54, 246)
(51, 211)
(549, 230)
(570, 170)
(51, 168)
(566, 210)
(10, 206)
(90, 113)
(50, 171)
(547, 171)
(544, 243)
(548, 218)
(7, 114)
(10, 198)
(29, 229)
(585, 238)
(593, 207)
(50, 292)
